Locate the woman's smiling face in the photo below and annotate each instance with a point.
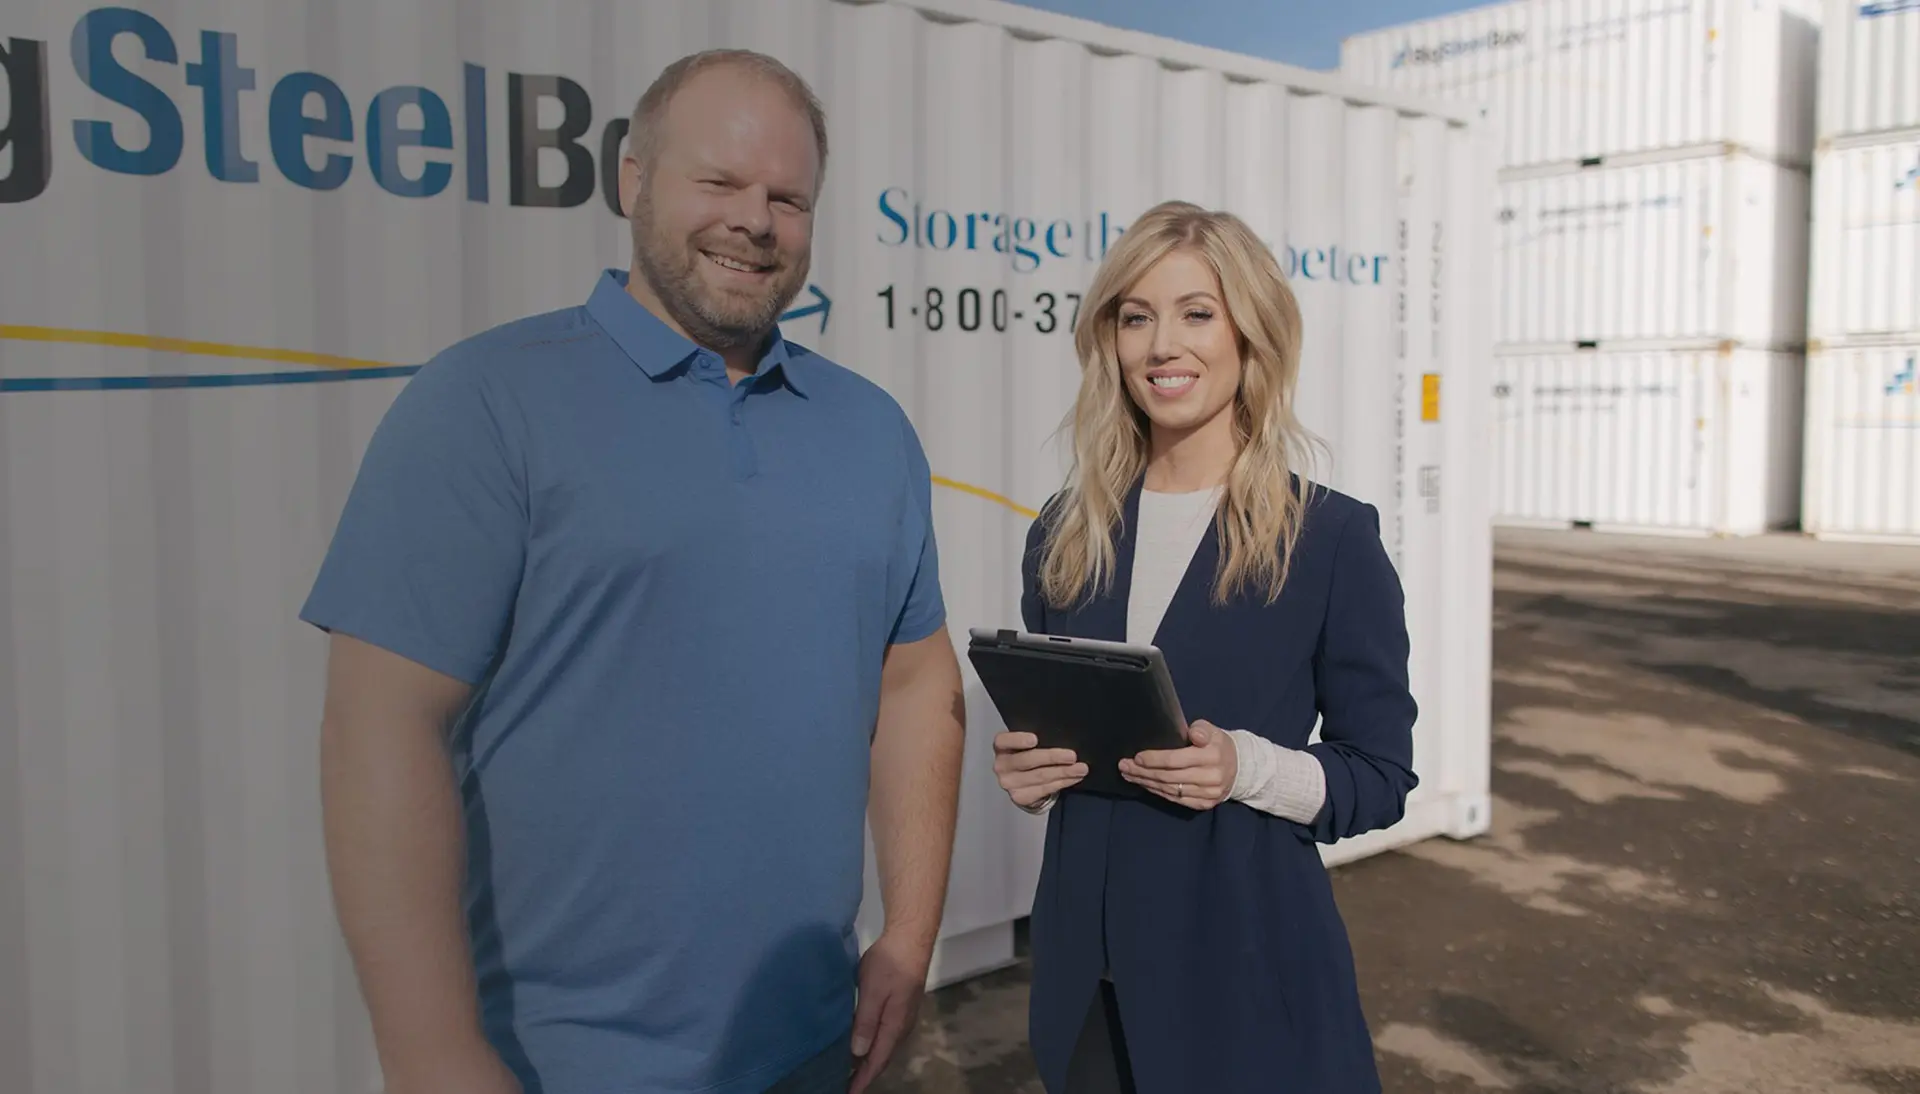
(1179, 353)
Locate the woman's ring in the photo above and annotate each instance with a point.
(1179, 790)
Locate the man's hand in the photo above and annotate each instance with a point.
(893, 977)
(1198, 777)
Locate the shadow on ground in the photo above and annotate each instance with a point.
(1704, 871)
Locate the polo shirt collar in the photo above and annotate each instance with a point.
(658, 349)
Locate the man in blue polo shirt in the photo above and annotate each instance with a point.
(630, 606)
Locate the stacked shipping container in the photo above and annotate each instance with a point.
(1863, 399)
(1652, 243)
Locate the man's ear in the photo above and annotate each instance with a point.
(633, 183)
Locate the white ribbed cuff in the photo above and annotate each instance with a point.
(1285, 782)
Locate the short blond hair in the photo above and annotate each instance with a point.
(643, 127)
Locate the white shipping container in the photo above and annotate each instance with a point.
(1869, 67)
(1571, 80)
(1708, 250)
(1865, 275)
(1680, 442)
(1863, 441)
(199, 329)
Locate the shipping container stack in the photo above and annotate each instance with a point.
(1862, 478)
(1652, 238)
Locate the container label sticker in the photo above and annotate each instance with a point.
(1430, 487)
(1430, 397)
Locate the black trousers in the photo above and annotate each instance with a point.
(1099, 1062)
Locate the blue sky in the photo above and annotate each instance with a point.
(1299, 32)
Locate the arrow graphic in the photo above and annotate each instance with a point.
(822, 305)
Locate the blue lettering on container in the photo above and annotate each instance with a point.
(290, 126)
(1028, 242)
(413, 142)
(100, 71)
(386, 136)
(221, 80)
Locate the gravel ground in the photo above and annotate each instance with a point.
(1704, 870)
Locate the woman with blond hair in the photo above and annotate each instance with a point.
(1186, 941)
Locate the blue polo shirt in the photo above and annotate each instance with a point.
(673, 595)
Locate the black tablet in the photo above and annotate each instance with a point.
(1104, 700)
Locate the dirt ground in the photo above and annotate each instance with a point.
(1704, 870)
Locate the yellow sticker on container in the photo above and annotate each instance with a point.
(1430, 397)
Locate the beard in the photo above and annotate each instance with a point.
(716, 318)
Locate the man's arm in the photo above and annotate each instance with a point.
(917, 746)
(395, 855)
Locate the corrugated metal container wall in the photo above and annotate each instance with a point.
(1681, 442)
(1569, 80)
(1869, 67)
(1706, 249)
(174, 455)
(1866, 240)
(1863, 442)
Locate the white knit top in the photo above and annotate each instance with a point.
(1273, 779)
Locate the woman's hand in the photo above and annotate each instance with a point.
(1030, 774)
(1199, 776)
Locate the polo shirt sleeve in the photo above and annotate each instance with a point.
(427, 557)
(924, 610)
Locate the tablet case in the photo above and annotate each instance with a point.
(1101, 701)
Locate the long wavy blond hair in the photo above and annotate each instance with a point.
(1260, 514)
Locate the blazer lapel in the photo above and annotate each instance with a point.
(1105, 615)
(1193, 595)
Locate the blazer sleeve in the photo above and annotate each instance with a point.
(1367, 708)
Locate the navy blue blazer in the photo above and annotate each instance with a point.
(1229, 958)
